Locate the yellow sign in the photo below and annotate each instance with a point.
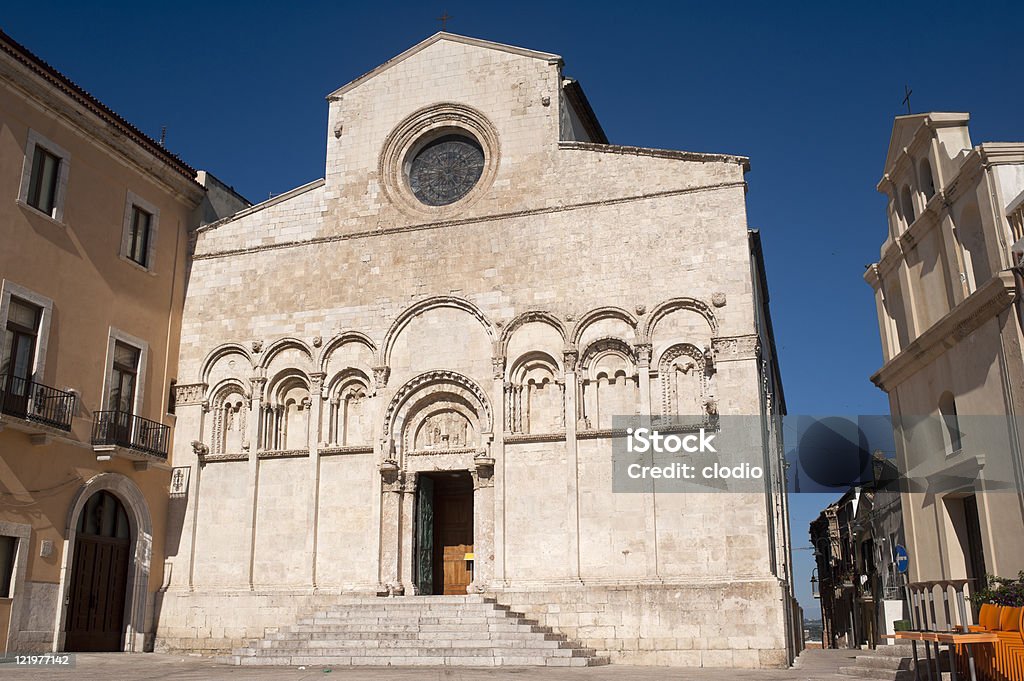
(469, 556)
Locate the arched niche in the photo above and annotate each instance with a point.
(286, 412)
(349, 420)
(609, 383)
(229, 417)
(535, 395)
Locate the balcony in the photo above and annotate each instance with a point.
(36, 403)
(113, 430)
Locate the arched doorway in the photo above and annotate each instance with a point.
(99, 576)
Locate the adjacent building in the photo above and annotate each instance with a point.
(947, 300)
(95, 222)
(402, 378)
(856, 541)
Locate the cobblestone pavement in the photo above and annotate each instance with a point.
(813, 665)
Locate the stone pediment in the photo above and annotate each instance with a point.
(438, 37)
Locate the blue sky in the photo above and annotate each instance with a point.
(806, 90)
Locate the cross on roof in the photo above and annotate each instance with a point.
(906, 100)
(444, 20)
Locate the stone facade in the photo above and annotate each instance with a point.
(343, 340)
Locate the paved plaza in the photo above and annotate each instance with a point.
(813, 665)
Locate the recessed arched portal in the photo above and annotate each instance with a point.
(105, 572)
(99, 576)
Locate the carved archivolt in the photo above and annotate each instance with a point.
(217, 353)
(683, 374)
(338, 341)
(528, 317)
(598, 314)
(427, 390)
(422, 306)
(282, 344)
(670, 306)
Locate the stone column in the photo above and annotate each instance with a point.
(483, 523)
(497, 480)
(643, 363)
(316, 397)
(392, 482)
(259, 383)
(406, 529)
(569, 358)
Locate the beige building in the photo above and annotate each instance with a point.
(94, 222)
(951, 340)
(444, 327)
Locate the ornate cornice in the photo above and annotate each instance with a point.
(189, 394)
(734, 348)
(987, 302)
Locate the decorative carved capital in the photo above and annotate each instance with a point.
(498, 366)
(391, 476)
(570, 358)
(317, 381)
(381, 376)
(643, 354)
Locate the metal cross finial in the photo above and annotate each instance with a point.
(444, 20)
(906, 100)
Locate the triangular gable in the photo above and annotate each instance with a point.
(451, 37)
(905, 129)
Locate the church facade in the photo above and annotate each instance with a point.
(401, 379)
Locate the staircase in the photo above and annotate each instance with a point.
(416, 630)
(884, 663)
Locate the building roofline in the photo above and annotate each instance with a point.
(77, 93)
(437, 37)
(574, 93)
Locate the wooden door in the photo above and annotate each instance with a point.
(99, 580)
(453, 539)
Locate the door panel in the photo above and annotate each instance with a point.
(97, 596)
(453, 539)
(425, 535)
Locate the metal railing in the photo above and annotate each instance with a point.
(33, 401)
(123, 429)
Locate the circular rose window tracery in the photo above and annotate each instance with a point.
(446, 169)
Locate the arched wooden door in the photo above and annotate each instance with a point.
(99, 576)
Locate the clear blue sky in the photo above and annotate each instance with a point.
(807, 91)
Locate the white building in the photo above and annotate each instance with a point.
(444, 326)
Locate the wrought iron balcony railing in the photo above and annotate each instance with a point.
(122, 429)
(36, 402)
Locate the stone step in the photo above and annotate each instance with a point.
(408, 643)
(386, 629)
(899, 650)
(446, 661)
(879, 674)
(318, 635)
(882, 662)
(416, 631)
(427, 651)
